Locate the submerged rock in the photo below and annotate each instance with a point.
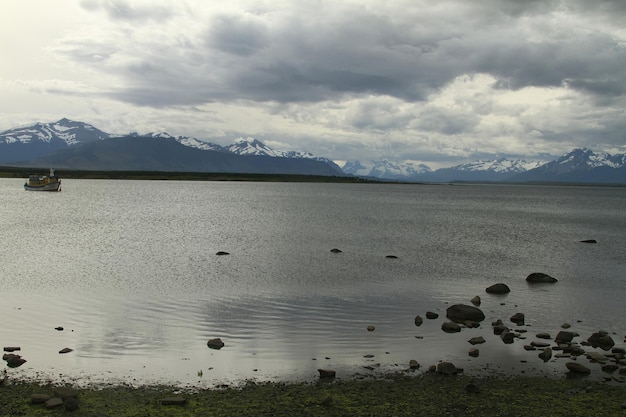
(475, 301)
(589, 241)
(431, 316)
(335, 250)
(222, 253)
(418, 320)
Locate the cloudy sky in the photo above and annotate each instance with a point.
(437, 82)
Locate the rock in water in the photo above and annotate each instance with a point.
(499, 288)
(461, 313)
(564, 336)
(215, 343)
(545, 354)
(431, 315)
(601, 340)
(540, 277)
(477, 340)
(518, 318)
(450, 327)
(418, 320)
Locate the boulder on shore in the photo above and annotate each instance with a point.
(540, 277)
(327, 373)
(577, 368)
(447, 368)
(461, 313)
(498, 288)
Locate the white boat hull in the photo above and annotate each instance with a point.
(54, 186)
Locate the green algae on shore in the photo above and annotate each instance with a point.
(394, 395)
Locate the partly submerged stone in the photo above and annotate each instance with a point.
(498, 288)
(518, 318)
(461, 313)
(540, 277)
(215, 343)
(450, 327)
(601, 340)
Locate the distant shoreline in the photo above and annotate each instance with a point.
(14, 172)
(20, 172)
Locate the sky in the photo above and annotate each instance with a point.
(435, 82)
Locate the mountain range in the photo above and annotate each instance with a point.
(68, 144)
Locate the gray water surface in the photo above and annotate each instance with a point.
(129, 269)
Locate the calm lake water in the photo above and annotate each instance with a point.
(129, 270)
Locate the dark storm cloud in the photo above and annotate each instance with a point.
(343, 51)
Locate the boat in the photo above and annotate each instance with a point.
(43, 182)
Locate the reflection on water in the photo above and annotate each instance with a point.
(135, 282)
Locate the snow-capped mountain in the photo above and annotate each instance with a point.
(579, 165)
(252, 146)
(40, 144)
(501, 165)
(68, 131)
(490, 170)
(386, 169)
(24, 143)
(187, 141)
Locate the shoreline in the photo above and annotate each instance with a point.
(397, 394)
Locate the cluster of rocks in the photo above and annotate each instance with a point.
(61, 397)
(13, 360)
